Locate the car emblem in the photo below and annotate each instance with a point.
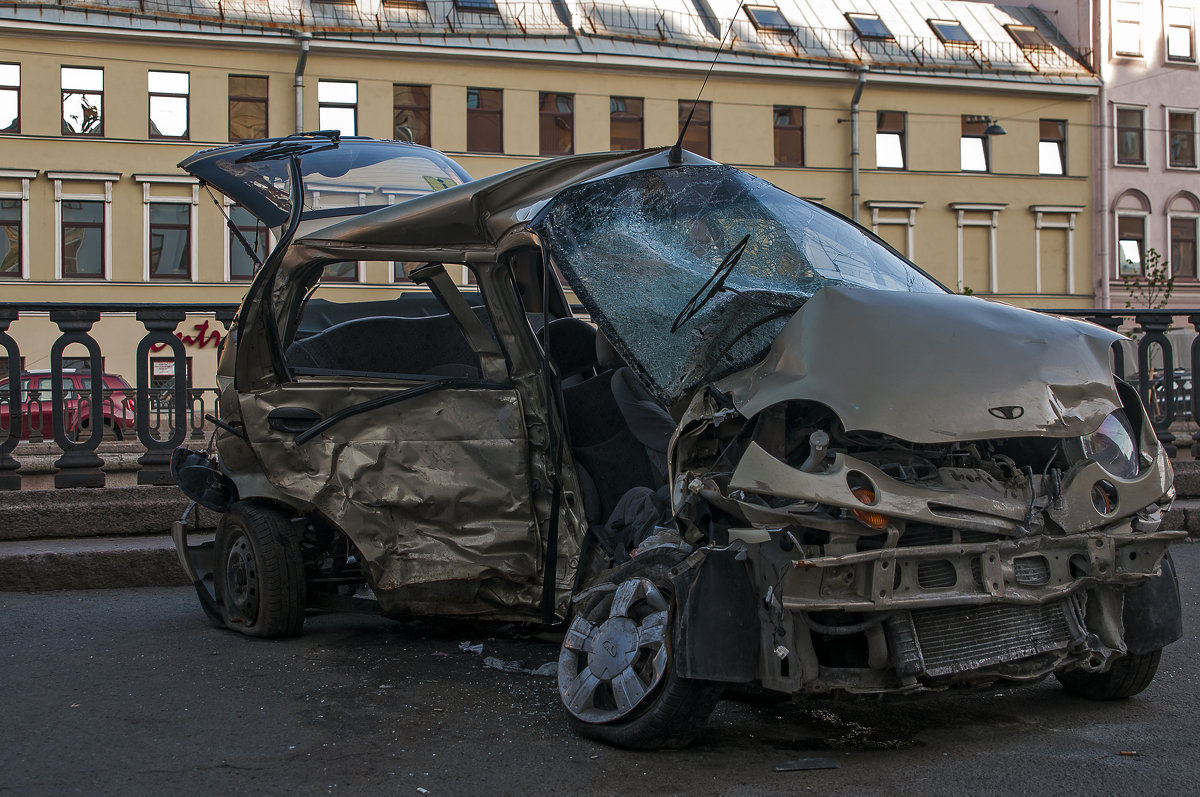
(1010, 413)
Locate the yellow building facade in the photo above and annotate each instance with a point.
(979, 209)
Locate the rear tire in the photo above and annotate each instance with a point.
(1127, 676)
(258, 573)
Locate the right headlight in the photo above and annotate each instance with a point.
(1113, 446)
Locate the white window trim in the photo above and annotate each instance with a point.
(1167, 111)
(24, 175)
(905, 214)
(1183, 214)
(1125, 106)
(1138, 214)
(228, 204)
(1191, 27)
(108, 178)
(961, 209)
(148, 181)
(1041, 223)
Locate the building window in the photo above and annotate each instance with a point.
(168, 104)
(82, 101)
(241, 265)
(768, 18)
(556, 123)
(789, 136)
(1052, 146)
(247, 107)
(1181, 139)
(14, 221)
(869, 26)
(83, 237)
(625, 130)
(1183, 246)
(974, 144)
(978, 233)
(337, 106)
(10, 98)
(697, 138)
(1131, 135)
(410, 114)
(1054, 240)
(889, 139)
(169, 214)
(346, 271)
(170, 240)
(950, 32)
(1027, 37)
(1181, 37)
(1127, 27)
(1131, 245)
(897, 217)
(477, 6)
(485, 120)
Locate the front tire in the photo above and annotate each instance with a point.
(616, 668)
(258, 572)
(1127, 676)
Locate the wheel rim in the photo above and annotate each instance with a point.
(241, 582)
(614, 655)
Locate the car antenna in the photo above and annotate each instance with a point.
(675, 156)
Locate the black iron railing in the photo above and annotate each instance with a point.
(161, 418)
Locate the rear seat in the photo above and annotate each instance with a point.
(432, 345)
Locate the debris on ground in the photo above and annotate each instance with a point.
(467, 647)
(549, 669)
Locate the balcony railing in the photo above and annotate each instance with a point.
(1159, 360)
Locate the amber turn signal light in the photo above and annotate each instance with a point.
(873, 520)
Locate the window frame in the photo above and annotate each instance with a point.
(1117, 130)
(1168, 112)
(1194, 220)
(426, 109)
(65, 92)
(640, 117)
(230, 241)
(187, 106)
(544, 118)
(937, 24)
(1028, 37)
(1142, 218)
(478, 114)
(323, 105)
(778, 130)
(902, 137)
(766, 24)
(853, 18)
(265, 101)
(985, 143)
(685, 109)
(1190, 27)
(148, 181)
(1061, 148)
(22, 195)
(5, 87)
(105, 197)
(1115, 21)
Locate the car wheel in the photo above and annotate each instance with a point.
(1127, 676)
(258, 573)
(616, 674)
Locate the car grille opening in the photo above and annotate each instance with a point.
(936, 574)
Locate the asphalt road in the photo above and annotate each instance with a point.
(132, 692)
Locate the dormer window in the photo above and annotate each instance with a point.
(869, 26)
(950, 31)
(768, 18)
(477, 6)
(1028, 37)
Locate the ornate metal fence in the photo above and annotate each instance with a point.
(160, 419)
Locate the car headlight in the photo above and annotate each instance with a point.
(1113, 446)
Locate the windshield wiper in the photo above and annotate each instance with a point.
(714, 285)
(295, 144)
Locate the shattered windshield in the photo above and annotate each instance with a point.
(722, 256)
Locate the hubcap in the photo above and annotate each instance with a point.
(241, 582)
(615, 655)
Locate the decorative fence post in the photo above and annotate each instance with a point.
(1155, 327)
(78, 466)
(9, 478)
(156, 462)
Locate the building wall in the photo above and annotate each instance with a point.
(933, 191)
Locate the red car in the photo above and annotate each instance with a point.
(117, 409)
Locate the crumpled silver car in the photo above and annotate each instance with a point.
(780, 456)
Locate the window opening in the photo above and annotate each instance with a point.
(82, 101)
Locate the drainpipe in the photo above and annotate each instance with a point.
(858, 90)
(304, 37)
(1105, 238)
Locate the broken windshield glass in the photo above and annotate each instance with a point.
(637, 247)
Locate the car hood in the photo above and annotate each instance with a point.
(935, 368)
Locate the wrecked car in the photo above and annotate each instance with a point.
(719, 434)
